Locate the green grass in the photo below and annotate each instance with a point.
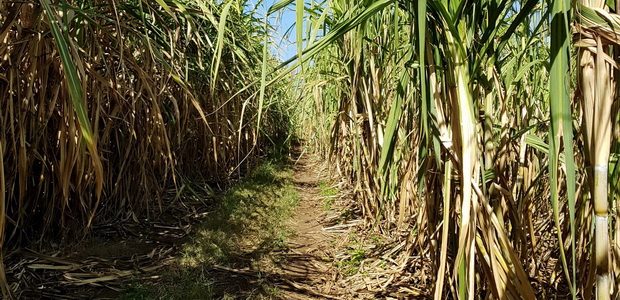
(247, 224)
(356, 253)
(249, 218)
(329, 194)
(184, 285)
(351, 265)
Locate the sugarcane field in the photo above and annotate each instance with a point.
(310, 149)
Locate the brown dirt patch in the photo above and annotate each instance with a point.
(311, 250)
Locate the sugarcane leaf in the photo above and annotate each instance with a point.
(561, 129)
(76, 94)
(299, 27)
(219, 45)
(278, 6)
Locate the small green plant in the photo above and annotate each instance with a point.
(377, 239)
(329, 194)
(351, 265)
(271, 292)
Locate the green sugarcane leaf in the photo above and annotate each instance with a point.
(219, 45)
(561, 129)
(278, 6)
(75, 93)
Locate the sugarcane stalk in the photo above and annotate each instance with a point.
(465, 138)
(601, 144)
(597, 99)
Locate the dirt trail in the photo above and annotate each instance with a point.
(251, 242)
(305, 266)
(311, 249)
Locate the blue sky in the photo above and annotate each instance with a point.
(283, 44)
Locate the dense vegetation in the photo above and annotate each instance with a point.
(479, 132)
(107, 105)
(482, 135)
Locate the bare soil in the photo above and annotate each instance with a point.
(309, 259)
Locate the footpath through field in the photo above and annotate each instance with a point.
(275, 235)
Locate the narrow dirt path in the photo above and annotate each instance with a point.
(278, 234)
(309, 260)
(304, 267)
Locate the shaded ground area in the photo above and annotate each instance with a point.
(284, 232)
(276, 235)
